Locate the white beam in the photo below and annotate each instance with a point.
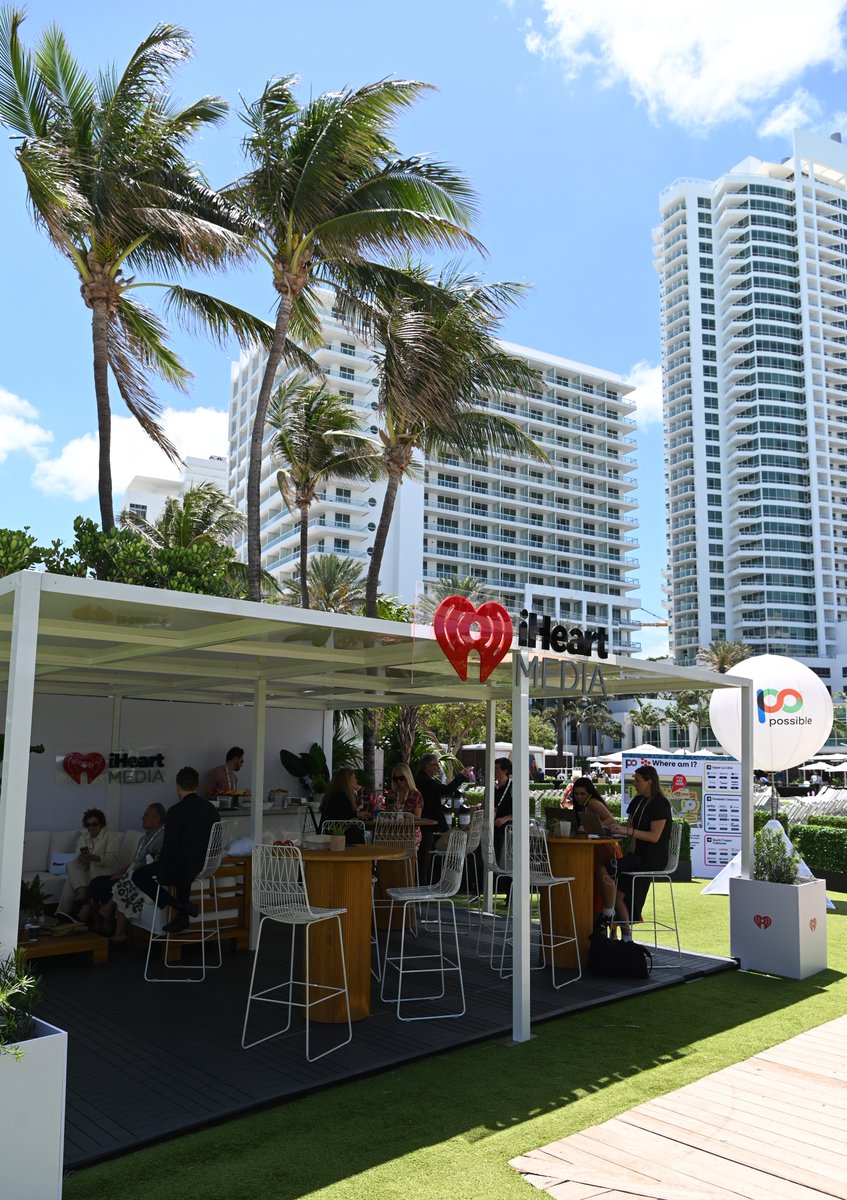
(490, 739)
(747, 716)
(520, 859)
(258, 775)
(18, 730)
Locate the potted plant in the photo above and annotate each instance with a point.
(32, 1087)
(777, 919)
(33, 899)
(337, 837)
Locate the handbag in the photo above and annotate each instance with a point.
(618, 960)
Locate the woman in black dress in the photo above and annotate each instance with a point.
(649, 823)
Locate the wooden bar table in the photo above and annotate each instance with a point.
(342, 879)
(576, 857)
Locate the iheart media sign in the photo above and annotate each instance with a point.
(461, 627)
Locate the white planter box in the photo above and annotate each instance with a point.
(778, 928)
(32, 1127)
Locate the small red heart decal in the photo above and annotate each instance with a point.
(813, 923)
(92, 764)
(762, 921)
(460, 627)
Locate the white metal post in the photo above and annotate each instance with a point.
(18, 729)
(520, 853)
(326, 740)
(114, 791)
(747, 715)
(490, 755)
(257, 811)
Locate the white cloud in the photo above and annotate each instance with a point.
(199, 432)
(697, 65)
(19, 428)
(798, 111)
(647, 381)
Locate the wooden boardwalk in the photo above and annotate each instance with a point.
(774, 1126)
(148, 1061)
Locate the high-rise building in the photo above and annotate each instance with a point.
(556, 537)
(753, 270)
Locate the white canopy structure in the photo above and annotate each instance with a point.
(81, 637)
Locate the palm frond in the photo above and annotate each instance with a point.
(72, 89)
(145, 337)
(389, 231)
(24, 100)
(417, 182)
(128, 371)
(198, 312)
(473, 433)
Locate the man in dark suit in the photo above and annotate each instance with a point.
(433, 793)
(186, 840)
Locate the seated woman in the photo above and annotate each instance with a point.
(404, 796)
(118, 897)
(340, 804)
(584, 797)
(96, 854)
(649, 824)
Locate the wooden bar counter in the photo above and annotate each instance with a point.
(342, 879)
(576, 857)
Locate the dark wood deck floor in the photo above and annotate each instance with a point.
(148, 1061)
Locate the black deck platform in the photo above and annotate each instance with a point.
(148, 1061)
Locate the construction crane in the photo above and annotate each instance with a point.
(651, 624)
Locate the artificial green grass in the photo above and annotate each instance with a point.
(447, 1126)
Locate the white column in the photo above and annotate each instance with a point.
(520, 851)
(114, 790)
(747, 717)
(490, 739)
(257, 812)
(326, 740)
(18, 730)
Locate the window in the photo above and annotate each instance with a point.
(341, 545)
(347, 373)
(140, 510)
(342, 493)
(347, 348)
(342, 519)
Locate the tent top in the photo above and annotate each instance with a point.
(98, 638)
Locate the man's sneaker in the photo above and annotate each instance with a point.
(602, 924)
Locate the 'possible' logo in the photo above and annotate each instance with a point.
(460, 627)
(769, 700)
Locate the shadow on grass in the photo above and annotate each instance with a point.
(627, 1051)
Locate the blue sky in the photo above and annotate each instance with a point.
(569, 117)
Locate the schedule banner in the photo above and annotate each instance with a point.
(704, 791)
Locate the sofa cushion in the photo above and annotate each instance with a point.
(36, 851)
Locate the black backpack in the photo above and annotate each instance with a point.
(618, 960)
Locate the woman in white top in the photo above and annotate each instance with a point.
(96, 854)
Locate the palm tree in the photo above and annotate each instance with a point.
(435, 356)
(109, 183)
(469, 586)
(335, 584)
(329, 195)
(316, 435)
(204, 513)
(721, 656)
(690, 711)
(646, 716)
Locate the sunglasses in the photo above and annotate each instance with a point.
(92, 824)
(398, 778)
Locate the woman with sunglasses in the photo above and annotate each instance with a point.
(405, 797)
(96, 854)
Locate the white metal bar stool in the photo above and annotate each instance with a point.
(663, 876)
(280, 894)
(441, 894)
(500, 870)
(474, 832)
(199, 935)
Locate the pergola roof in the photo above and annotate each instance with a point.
(97, 638)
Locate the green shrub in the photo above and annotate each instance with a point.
(685, 844)
(761, 816)
(822, 819)
(773, 861)
(824, 848)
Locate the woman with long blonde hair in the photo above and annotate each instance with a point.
(405, 797)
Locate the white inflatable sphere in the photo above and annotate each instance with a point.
(793, 712)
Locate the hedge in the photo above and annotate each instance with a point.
(822, 819)
(824, 849)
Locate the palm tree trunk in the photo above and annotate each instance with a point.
(100, 340)
(371, 593)
(304, 556)
(380, 538)
(254, 473)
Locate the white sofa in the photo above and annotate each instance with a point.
(41, 844)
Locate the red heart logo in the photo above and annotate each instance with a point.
(460, 628)
(92, 764)
(813, 923)
(761, 921)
